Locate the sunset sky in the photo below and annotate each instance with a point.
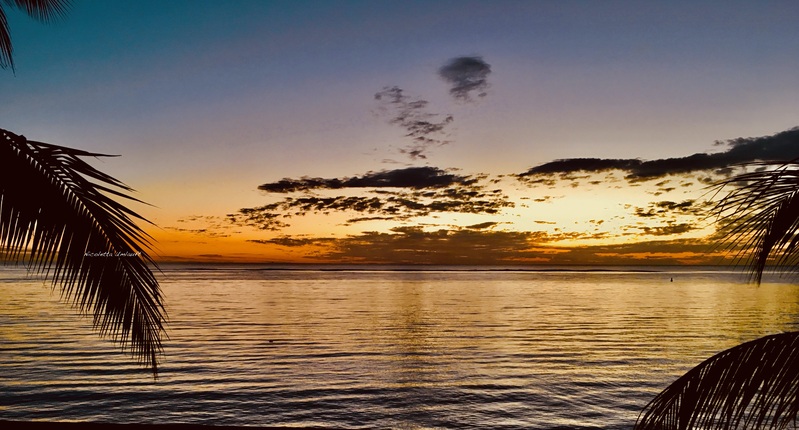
(447, 132)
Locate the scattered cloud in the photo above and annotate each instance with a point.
(202, 225)
(261, 217)
(425, 129)
(666, 230)
(395, 195)
(199, 231)
(466, 75)
(669, 208)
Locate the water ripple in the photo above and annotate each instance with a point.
(386, 348)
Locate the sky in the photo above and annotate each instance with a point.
(415, 132)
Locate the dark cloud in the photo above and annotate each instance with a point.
(425, 129)
(395, 195)
(571, 165)
(411, 177)
(261, 217)
(466, 75)
(669, 209)
(291, 241)
(413, 245)
(482, 225)
(369, 218)
(654, 252)
(395, 207)
(778, 147)
(668, 230)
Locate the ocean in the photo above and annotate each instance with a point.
(387, 347)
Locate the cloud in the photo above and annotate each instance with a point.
(412, 245)
(781, 146)
(425, 129)
(202, 225)
(667, 208)
(390, 195)
(261, 217)
(468, 245)
(289, 241)
(466, 75)
(411, 177)
(667, 230)
(395, 207)
(199, 231)
(369, 218)
(482, 225)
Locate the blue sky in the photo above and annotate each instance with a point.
(206, 100)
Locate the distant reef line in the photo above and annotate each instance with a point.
(378, 268)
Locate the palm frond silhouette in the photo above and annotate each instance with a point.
(42, 10)
(750, 386)
(57, 217)
(754, 385)
(760, 216)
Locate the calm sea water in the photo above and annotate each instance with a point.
(380, 348)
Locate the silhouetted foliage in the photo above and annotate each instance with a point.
(753, 385)
(760, 217)
(56, 216)
(42, 10)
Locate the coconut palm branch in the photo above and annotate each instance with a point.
(760, 217)
(751, 386)
(45, 11)
(57, 215)
(756, 384)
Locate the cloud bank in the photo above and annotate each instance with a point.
(782, 146)
(413, 245)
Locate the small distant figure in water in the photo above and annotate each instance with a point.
(671, 280)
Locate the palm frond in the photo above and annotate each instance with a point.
(6, 49)
(760, 217)
(42, 10)
(57, 217)
(754, 385)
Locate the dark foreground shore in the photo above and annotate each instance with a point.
(58, 425)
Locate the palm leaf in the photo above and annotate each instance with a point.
(6, 49)
(753, 385)
(760, 217)
(42, 10)
(56, 216)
